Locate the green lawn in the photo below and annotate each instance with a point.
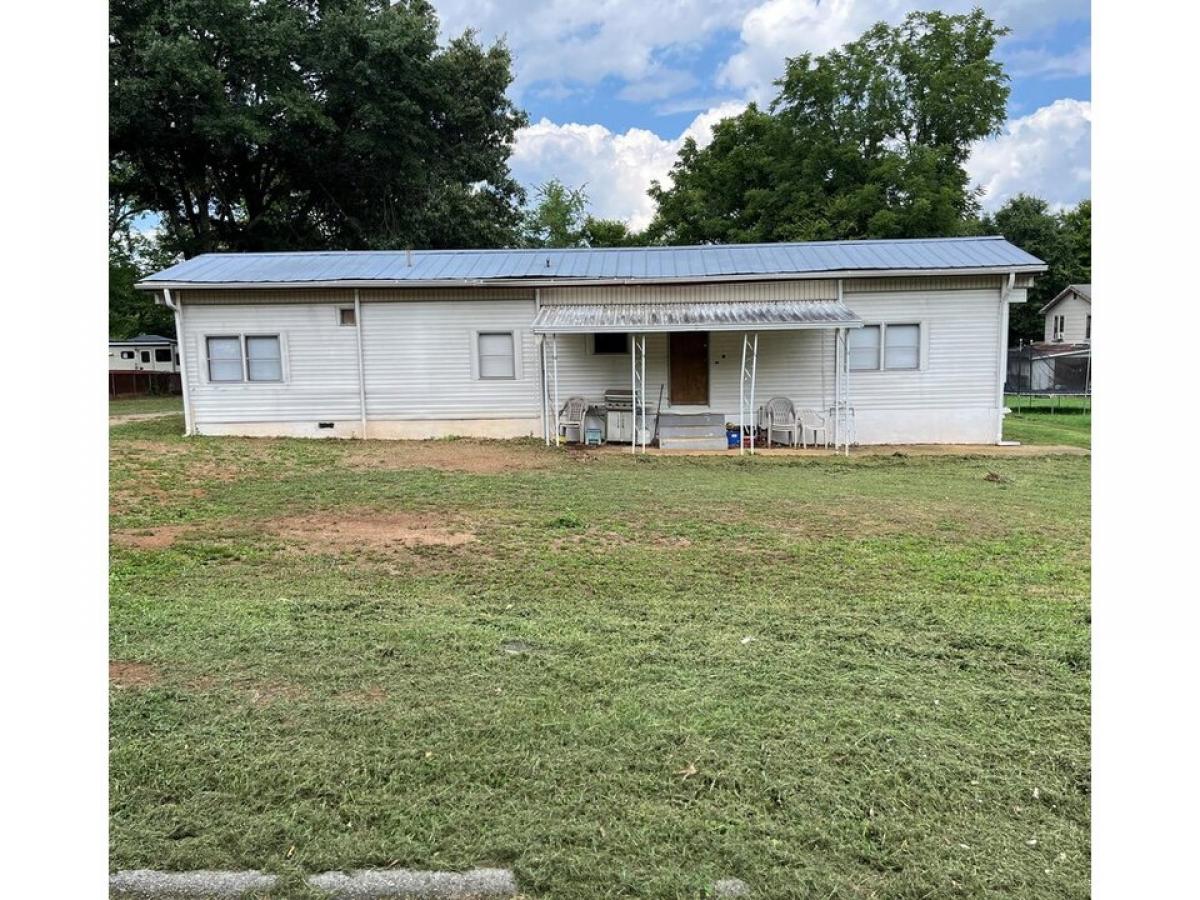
(863, 677)
(133, 405)
(1059, 420)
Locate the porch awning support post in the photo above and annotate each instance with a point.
(848, 430)
(746, 391)
(637, 379)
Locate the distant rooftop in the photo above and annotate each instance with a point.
(144, 339)
(733, 261)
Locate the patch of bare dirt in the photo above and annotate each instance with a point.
(368, 695)
(273, 692)
(476, 457)
(148, 538)
(124, 674)
(357, 531)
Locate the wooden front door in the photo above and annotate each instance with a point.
(689, 368)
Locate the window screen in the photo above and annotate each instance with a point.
(496, 355)
(263, 362)
(224, 359)
(902, 348)
(162, 355)
(864, 348)
(603, 343)
(346, 315)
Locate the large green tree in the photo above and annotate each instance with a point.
(559, 217)
(1062, 239)
(865, 141)
(281, 124)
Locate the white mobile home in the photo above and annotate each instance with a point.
(144, 353)
(887, 341)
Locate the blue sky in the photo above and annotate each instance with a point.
(612, 86)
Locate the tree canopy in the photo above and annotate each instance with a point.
(559, 218)
(309, 124)
(865, 141)
(1062, 239)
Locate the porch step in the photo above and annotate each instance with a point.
(669, 419)
(705, 442)
(692, 431)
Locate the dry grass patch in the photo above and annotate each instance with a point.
(158, 538)
(474, 457)
(125, 674)
(369, 531)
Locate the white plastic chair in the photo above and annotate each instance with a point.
(572, 416)
(811, 420)
(780, 415)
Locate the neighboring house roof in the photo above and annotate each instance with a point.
(532, 267)
(146, 339)
(1083, 291)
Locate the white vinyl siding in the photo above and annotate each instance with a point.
(864, 348)
(1069, 320)
(496, 358)
(318, 361)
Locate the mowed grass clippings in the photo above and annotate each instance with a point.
(826, 677)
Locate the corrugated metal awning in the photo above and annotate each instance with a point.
(769, 315)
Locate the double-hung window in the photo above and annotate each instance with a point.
(902, 347)
(237, 358)
(496, 356)
(887, 346)
(864, 348)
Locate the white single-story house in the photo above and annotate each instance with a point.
(1069, 315)
(893, 341)
(144, 353)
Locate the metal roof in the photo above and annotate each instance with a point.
(145, 339)
(700, 316)
(531, 267)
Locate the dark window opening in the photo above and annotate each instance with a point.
(145, 356)
(126, 354)
(610, 342)
(162, 355)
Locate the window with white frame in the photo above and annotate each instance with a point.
(902, 347)
(224, 358)
(496, 355)
(346, 315)
(1060, 325)
(145, 356)
(864, 348)
(263, 359)
(236, 358)
(885, 346)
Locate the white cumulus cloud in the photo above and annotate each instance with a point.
(616, 168)
(1046, 153)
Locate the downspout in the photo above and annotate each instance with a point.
(362, 375)
(177, 308)
(1006, 286)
